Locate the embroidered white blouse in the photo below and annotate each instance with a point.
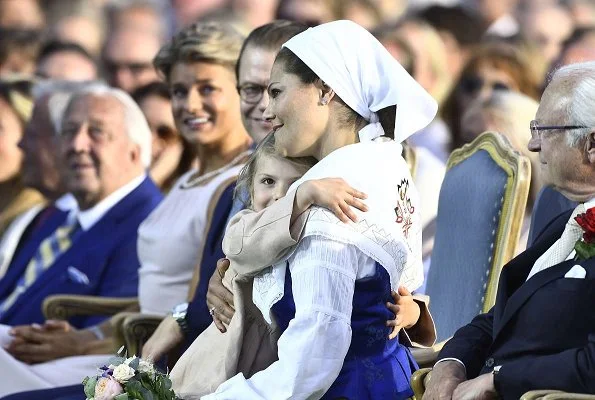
(312, 349)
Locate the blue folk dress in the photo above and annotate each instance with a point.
(375, 367)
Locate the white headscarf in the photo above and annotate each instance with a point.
(365, 76)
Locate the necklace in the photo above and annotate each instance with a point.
(193, 182)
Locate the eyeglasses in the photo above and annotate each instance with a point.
(536, 129)
(251, 92)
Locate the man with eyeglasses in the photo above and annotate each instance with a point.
(541, 332)
(128, 59)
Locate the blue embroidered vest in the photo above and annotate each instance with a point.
(375, 367)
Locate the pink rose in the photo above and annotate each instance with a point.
(107, 389)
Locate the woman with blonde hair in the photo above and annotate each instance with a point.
(198, 64)
(16, 105)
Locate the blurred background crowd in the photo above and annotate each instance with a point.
(484, 61)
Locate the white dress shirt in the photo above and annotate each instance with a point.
(88, 218)
(312, 349)
(66, 202)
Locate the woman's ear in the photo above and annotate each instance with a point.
(325, 92)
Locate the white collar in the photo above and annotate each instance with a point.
(590, 204)
(90, 217)
(66, 202)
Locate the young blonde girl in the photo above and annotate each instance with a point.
(259, 235)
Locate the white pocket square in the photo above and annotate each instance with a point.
(78, 276)
(577, 272)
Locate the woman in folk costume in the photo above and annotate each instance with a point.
(337, 95)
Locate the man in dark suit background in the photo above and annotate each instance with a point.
(541, 332)
(105, 145)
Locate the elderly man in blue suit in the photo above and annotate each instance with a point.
(40, 169)
(541, 332)
(105, 145)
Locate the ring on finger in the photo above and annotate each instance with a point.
(212, 312)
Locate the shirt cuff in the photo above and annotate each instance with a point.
(452, 359)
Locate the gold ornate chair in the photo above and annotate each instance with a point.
(63, 307)
(555, 395)
(480, 211)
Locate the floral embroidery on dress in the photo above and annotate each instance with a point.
(372, 373)
(404, 209)
(375, 333)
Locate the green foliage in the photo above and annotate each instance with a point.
(142, 386)
(90, 383)
(134, 363)
(115, 361)
(584, 250)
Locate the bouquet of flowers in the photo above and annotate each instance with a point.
(128, 379)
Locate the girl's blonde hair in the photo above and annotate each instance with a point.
(245, 185)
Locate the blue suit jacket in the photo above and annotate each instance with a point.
(106, 254)
(542, 331)
(198, 313)
(198, 316)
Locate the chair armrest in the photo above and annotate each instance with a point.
(538, 394)
(555, 395)
(137, 329)
(427, 357)
(67, 306)
(418, 381)
(569, 396)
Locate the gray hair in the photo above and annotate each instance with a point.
(137, 126)
(58, 93)
(578, 99)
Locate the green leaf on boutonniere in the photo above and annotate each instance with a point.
(123, 396)
(584, 250)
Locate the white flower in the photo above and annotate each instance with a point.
(122, 373)
(146, 367)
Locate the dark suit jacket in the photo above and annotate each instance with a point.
(541, 332)
(198, 316)
(106, 254)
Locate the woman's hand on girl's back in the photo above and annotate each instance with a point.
(406, 311)
(219, 298)
(333, 194)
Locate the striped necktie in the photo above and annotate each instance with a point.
(48, 252)
(562, 248)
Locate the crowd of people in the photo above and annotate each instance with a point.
(244, 168)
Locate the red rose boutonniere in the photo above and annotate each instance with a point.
(585, 248)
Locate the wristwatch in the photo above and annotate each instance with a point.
(179, 313)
